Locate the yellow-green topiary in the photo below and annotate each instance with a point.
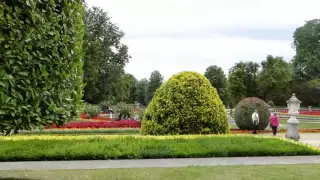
(185, 104)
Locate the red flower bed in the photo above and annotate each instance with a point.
(96, 125)
(314, 113)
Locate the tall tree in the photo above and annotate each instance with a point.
(155, 81)
(275, 80)
(306, 43)
(105, 57)
(131, 88)
(141, 91)
(307, 62)
(218, 79)
(242, 81)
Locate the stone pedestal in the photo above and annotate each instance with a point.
(293, 106)
(293, 132)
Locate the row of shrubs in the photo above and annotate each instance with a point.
(33, 148)
(120, 110)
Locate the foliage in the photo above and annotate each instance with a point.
(105, 58)
(218, 80)
(40, 67)
(79, 131)
(26, 148)
(155, 82)
(141, 91)
(306, 43)
(242, 81)
(185, 104)
(271, 103)
(308, 92)
(244, 110)
(99, 124)
(275, 80)
(91, 110)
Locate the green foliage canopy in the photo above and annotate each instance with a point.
(218, 80)
(40, 62)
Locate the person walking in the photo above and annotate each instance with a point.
(274, 123)
(255, 121)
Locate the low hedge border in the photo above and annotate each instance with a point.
(83, 131)
(95, 147)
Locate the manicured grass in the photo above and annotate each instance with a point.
(19, 148)
(271, 172)
(304, 124)
(124, 131)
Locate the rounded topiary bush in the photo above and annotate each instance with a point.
(244, 110)
(185, 104)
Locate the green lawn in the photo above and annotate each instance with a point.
(271, 172)
(85, 147)
(304, 124)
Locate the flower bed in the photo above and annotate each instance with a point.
(96, 125)
(311, 113)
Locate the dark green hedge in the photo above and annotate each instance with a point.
(245, 108)
(185, 104)
(40, 62)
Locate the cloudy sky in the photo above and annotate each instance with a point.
(177, 35)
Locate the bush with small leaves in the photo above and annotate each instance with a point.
(245, 108)
(185, 104)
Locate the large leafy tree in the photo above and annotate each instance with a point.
(141, 91)
(155, 81)
(306, 63)
(40, 63)
(218, 79)
(306, 43)
(105, 57)
(242, 81)
(275, 80)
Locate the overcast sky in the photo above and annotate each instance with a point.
(178, 35)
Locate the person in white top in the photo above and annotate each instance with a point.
(255, 121)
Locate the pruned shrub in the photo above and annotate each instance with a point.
(91, 110)
(185, 104)
(245, 108)
(40, 62)
(271, 104)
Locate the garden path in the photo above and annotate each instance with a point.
(146, 163)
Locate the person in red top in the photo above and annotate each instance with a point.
(274, 123)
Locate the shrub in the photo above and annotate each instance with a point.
(94, 125)
(271, 104)
(185, 104)
(91, 110)
(244, 110)
(86, 147)
(41, 66)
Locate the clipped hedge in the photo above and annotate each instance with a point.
(90, 147)
(40, 62)
(245, 108)
(185, 104)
